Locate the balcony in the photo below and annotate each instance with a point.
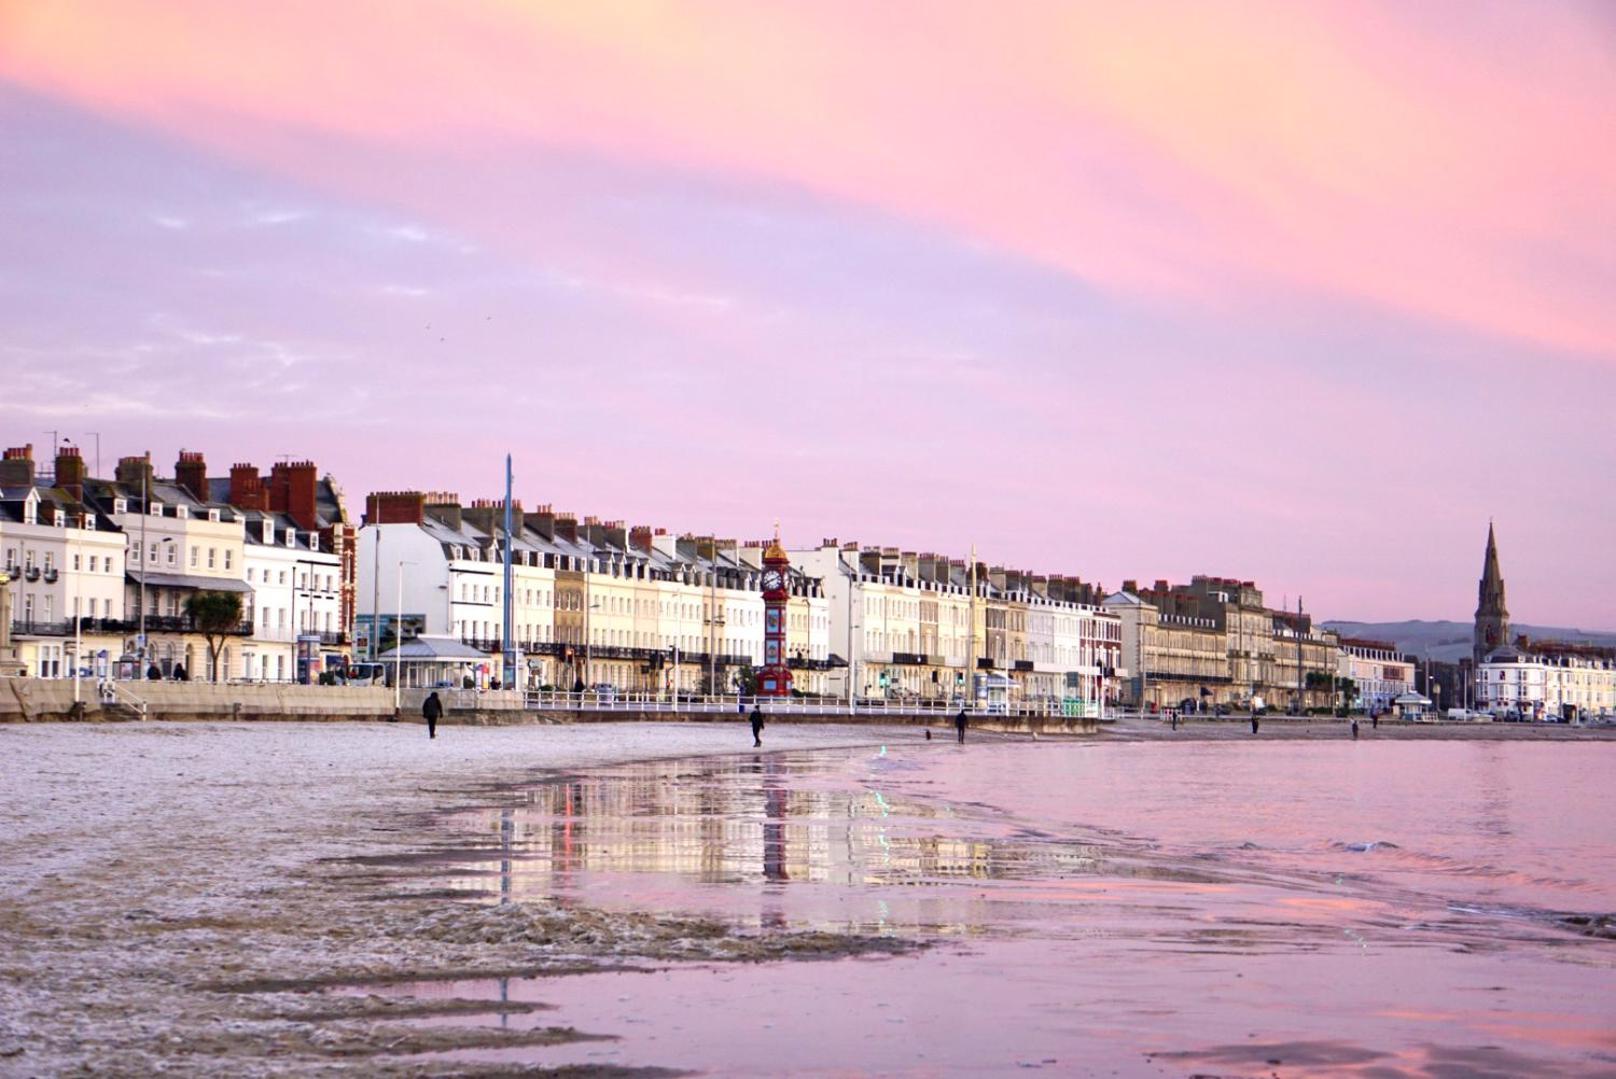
(181, 623)
(51, 576)
(34, 627)
(909, 659)
(333, 637)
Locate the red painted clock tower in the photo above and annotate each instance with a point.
(774, 680)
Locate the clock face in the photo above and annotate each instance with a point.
(773, 579)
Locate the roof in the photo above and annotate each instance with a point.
(426, 649)
(188, 580)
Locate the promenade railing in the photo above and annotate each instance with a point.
(943, 709)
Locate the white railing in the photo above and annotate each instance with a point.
(590, 701)
(122, 694)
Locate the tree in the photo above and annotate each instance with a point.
(215, 615)
(1345, 688)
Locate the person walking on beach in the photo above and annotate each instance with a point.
(757, 725)
(959, 725)
(1355, 730)
(1374, 722)
(432, 709)
(1254, 723)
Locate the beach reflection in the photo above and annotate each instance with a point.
(814, 839)
(1336, 910)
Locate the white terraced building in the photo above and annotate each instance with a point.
(1548, 681)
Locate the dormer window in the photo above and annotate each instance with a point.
(291, 537)
(89, 522)
(155, 509)
(30, 511)
(269, 531)
(120, 505)
(182, 512)
(213, 515)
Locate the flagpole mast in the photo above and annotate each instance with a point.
(508, 673)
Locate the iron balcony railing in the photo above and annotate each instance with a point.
(154, 624)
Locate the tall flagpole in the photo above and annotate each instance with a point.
(970, 655)
(508, 675)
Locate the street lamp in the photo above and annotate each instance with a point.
(398, 634)
(589, 642)
(145, 558)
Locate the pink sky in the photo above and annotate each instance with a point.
(1302, 293)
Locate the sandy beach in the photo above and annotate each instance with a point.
(170, 894)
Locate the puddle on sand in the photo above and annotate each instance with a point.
(1077, 946)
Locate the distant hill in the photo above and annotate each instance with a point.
(1450, 641)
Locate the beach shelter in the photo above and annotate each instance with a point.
(1413, 706)
(426, 661)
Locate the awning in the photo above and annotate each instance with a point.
(189, 580)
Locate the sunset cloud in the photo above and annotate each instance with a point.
(1298, 292)
(1233, 154)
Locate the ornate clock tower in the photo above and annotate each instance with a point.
(774, 680)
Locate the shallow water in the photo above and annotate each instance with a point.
(1371, 908)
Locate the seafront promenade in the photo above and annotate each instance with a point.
(27, 700)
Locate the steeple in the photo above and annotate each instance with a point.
(1492, 617)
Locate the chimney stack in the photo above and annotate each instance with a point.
(292, 491)
(70, 472)
(191, 474)
(444, 507)
(247, 490)
(135, 472)
(17, 466)
(395, 508)
(488, 515)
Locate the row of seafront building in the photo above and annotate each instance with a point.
(595, 602)
(637, 608)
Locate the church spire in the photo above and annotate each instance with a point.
(1492, 616)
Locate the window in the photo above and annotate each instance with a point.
(229, 558)
(212, 557)
(76, 562)
(173, 552)
(196, 553)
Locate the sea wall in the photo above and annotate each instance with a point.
(30, 700)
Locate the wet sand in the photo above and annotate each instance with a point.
(266, 899)
(1320, 728)
(171, 893)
